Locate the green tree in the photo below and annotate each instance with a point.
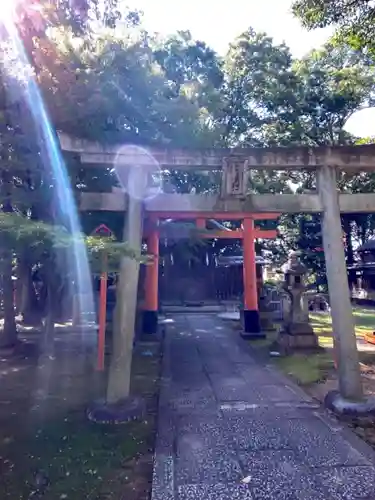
(260, 88)
(354, 20)
(275, 100)
(194, 70)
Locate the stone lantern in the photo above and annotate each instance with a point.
(296, 333)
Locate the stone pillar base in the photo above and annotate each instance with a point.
(150, 322)
(297, 336)
(298, 329)
(251, 325)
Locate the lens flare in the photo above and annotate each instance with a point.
(77, 264)
(15, 10)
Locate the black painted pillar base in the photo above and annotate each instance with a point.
(251, 325)
(150, 322)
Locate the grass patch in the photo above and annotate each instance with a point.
(322, 323)
(305, 369)
(73, 459)
(271, 337)
(67, 457)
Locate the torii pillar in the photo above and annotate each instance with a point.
(235, 184)
(151, 306)
(251, 319)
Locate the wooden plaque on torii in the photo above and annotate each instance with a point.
(235, 176)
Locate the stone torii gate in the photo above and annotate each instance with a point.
(234, 202)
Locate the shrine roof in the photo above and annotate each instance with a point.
(367, 246)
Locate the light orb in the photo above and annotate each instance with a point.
(138, 172)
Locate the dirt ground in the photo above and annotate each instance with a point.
(48, 448)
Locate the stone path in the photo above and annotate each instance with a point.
(231, 429)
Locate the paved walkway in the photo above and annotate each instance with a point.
(231, 429)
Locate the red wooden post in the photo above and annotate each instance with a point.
(102, 231)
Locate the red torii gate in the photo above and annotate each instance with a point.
(248, 234)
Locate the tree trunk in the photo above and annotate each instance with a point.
(349, 250)
(29, 304)
(8, 337)
(363, 233)
(49, 323)
(125, 311)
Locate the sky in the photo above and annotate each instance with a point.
(218, 22)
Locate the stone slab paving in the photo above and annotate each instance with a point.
(224, 418)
